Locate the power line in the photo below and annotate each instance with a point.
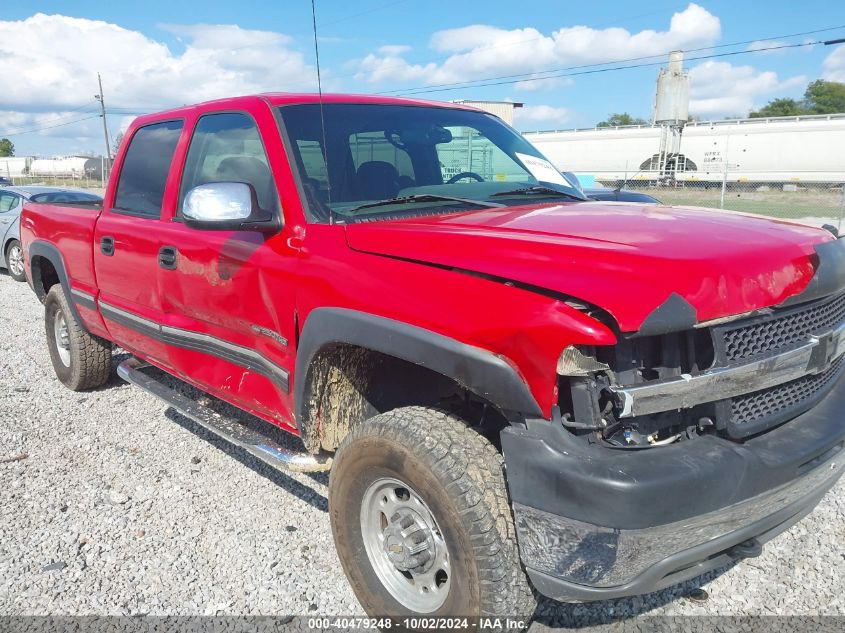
(584, 69)
(48, 127)
(558, 73)
(664, 54)
(54, 119)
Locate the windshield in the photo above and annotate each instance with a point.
(424, 159)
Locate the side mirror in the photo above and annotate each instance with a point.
(227, 206)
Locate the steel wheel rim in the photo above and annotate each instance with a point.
(422, 587)
(16, 260)
(62, 334)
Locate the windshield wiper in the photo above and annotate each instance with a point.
(538, 190)
(423, 198)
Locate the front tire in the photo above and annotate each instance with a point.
(421, 520)
(81, 360)
(14, 261)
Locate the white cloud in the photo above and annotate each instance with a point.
(834, 65)
(81, 136)
(479, 50)
(532, 114)
(49, 64)
(720, 89)
(394, 49)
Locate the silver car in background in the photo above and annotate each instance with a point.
(11, 205)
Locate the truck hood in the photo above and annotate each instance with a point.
(636, 262)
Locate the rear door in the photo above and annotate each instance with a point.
(228, 296)
(126, 241)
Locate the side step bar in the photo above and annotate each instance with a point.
(234, 432)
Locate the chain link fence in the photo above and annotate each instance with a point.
(92, 184)
(815, 202)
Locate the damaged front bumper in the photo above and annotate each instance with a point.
(597, 523)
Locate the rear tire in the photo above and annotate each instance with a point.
(81, 360)
(448, 547)
(14, 261)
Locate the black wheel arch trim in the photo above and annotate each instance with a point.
(52, 254)
(478, 370)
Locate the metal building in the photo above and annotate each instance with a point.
(502, 109)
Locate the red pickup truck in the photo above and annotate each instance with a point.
(513, 387)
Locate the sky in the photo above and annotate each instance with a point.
(155, 54)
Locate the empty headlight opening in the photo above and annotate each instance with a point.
(588, 408)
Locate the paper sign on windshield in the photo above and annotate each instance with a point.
(542, 169)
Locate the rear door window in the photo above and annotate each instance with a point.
(143, 175)
(8, 201)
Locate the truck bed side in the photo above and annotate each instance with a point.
(58, 241)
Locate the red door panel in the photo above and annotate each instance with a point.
(128, 280)
(237, 288)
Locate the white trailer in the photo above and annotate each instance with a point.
(66, 167)
(803, 150)
(15, 166)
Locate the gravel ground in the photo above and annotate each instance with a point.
(121, 506)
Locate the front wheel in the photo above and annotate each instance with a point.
(81, 360)
(421, 520)
(14, 261)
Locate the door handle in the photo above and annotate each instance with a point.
(107, 246)
(167, 256)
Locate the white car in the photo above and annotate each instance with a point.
(11, 205)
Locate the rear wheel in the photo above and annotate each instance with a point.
(421, 520)
(14, 261)
(81, 360)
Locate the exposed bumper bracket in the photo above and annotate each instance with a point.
(719, 383)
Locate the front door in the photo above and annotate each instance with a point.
(126, 242)
(228, 296)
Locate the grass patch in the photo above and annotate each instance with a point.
(778, 204)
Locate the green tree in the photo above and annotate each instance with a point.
(116, 143)
(825, 97)
(618, 119)
(779, 107)
(7, 148)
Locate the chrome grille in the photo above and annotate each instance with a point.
(782, 331)
(761, 337)
(753, 412)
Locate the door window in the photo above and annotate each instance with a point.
(146, 165)
(227, 147)
(8, 201)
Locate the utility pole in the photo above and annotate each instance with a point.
(99, 97)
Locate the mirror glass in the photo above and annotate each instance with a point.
(219, 201)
